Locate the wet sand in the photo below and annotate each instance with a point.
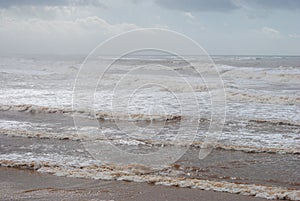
(19, 184)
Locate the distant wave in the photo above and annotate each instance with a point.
(276, 75)
(261, 97)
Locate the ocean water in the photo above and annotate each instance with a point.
(144, 104)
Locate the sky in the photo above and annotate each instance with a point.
(221, 27)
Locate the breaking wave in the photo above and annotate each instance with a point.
(143, 142)
(260, 97)
(139, 173)
(290, 75)
(34, 109)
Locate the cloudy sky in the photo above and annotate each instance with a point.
(228, 27)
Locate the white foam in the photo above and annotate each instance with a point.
(138, 173)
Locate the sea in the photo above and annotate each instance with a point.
(228, 124)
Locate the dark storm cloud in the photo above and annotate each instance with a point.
(10, 3)
(228, 5)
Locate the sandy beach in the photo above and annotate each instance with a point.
(29, 185)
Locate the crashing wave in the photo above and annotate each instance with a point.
(139, 173)
(147, 142)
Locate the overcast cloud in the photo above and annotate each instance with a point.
(220, 26)
(11, 3)
(196, 5)
(228, 5)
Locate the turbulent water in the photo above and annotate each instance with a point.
(139, 106)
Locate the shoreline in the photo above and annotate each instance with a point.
(22, 184)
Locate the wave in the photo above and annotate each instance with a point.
(274, 122)
(102, 116)
(139, 173)
(282, 75)
(35, 109)
(260, 97)
(146, 142)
